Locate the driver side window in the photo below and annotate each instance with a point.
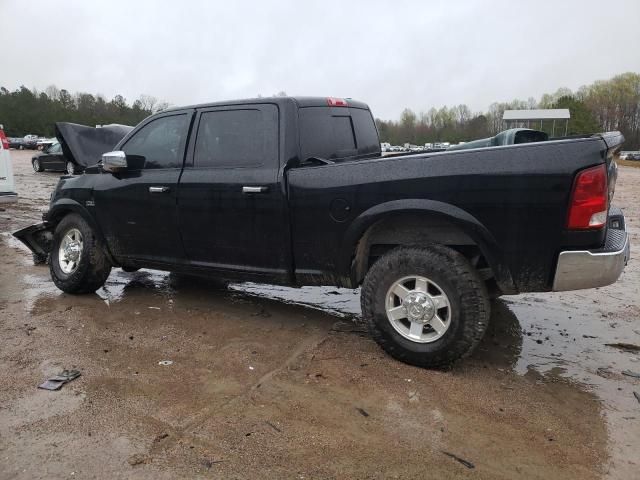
(160, 143)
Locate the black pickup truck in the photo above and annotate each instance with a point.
(295, 191)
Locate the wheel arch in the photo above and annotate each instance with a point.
(415, 222)
(64, 207)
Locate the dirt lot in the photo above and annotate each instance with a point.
(283, 383)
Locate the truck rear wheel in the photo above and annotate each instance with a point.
(78, 263)
(425, 306)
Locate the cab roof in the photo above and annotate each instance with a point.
(299, 101)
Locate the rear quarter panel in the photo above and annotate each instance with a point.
(519, 193)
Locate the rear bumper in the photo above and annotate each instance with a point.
(8, 197)
(578, 269)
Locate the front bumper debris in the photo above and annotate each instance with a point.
(37, 237)
(578, 269)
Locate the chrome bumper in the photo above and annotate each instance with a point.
(579, 269)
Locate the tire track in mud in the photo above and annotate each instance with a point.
(309, 344)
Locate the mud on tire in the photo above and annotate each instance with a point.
(466, 292)
(93, 266)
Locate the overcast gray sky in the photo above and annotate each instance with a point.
(392, 55)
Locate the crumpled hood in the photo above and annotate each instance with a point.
(85, 145)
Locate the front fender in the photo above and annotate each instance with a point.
(63, 206)
(461, 219)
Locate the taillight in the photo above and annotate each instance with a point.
(589, 199)
(336, 102)
(3, 139)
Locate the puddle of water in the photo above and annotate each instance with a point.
(341, 302)
(557, 334)
(547, 336)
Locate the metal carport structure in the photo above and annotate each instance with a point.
(518, 118)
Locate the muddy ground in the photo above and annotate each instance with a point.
(282, 383)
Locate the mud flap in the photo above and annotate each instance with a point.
(38, 239)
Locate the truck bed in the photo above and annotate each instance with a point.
(513, 199)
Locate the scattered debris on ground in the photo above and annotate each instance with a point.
(629, 373)
(362, 411)
(165, 362)
(464, 462)
(57, 381)
(272, 426)
(206, 463)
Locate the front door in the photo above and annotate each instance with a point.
(53, 159)
(136, 208)
(231, 206)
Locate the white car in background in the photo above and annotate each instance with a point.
(7, 185)
(43, 143)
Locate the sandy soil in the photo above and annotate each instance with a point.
(272, 382)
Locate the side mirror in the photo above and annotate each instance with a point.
(114, 161)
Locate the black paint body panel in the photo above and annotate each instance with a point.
(305, 226)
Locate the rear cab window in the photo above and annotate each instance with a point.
(337, 133)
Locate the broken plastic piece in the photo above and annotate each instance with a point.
(56, 382)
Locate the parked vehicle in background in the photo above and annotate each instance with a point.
(633, 156)
(43, 143)
(385, 146)
(53, 159)
(295, 191)
(7, 185)
(17, 143)
(30, 142)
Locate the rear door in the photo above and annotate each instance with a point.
(320, 215)
(136, 208)
(231, 206)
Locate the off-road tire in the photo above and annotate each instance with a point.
(93, 267)
(467, 293)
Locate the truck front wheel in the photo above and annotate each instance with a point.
(78, 263)
(425, 306)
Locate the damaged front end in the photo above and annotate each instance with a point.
(83, 146)
(38, 238)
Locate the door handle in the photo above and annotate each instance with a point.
(246, 189)
(158, 189)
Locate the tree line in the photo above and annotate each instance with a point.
(24, 111)
(604, 105)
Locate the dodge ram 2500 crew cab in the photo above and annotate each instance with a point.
(295, 191)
